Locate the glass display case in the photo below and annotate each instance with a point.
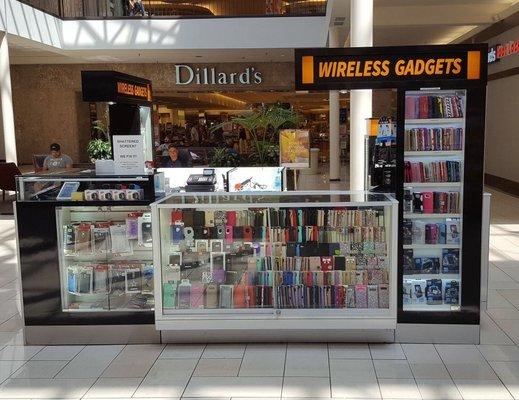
(84, 185)
(105, 258)
(432, 228)
(276, 256)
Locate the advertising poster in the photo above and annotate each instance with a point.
(294, 148)
(128, 154)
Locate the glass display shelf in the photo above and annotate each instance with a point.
(434, 145)
(106, 258)
(275, 255)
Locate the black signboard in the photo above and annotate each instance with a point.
(377, 67)
(112, 86)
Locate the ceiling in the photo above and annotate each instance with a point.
(396, 22)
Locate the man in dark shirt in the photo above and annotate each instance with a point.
(173, 160)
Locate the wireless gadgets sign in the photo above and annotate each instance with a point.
(351, 68)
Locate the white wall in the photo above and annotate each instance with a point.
(502, 127)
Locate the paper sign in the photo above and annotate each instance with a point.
(128, 154)
(294, 148)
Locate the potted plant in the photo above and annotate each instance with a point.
(262, 126)
(99, 146)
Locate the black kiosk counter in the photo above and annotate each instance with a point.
(85, 256)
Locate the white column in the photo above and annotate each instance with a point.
(334, 137)
(6, 103)
(361, 35)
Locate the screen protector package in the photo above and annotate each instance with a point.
(144, 232)
(132, 225)
(120, 242)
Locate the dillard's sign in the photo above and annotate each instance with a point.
(187, 75)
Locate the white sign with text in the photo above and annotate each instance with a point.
(128, 154)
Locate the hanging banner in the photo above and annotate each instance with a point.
(294, 148)
(369, 67)
(128, 154)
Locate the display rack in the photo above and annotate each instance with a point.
(106, 260)
(315, 260)
(434, 141)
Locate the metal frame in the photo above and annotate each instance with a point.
(275, 318)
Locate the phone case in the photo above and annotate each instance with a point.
(226, 296)
(184, 295)
(361, 296)
(231, 218)
(372, 296)
(219, 232)
(189, 233)
(383, 296)
(188, 217)
(211, 296)
(239, 296)
(209, 218)
(198, 218)
(197, 295)
(247, 233)
(169, 295)
(177, 233)
(228, 234)
(176, 217)
(427, 202)
(326, 264)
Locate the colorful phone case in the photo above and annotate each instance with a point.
(231, 218)
(239, 296)
(228, 234)
(211, 296)
(197, 295)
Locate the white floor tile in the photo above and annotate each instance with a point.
(45, 388)
(499, 353)
(471, 371)
(355, 350)
(399, 389)
(170, 387)
(306, 387)
(234, 387)
(90, 362)
(436, 389)
(393, 369)
(21, 353)
(112, 388)
(224, 351)
(134, 361)
(307, 360)
(459, 353)
(7, 368)
(218, 367)
(57, 353)
(263, 361)
(482, 390)
(389, 351)
(39, 369)
(503, 313)
(490, 333)
(354, 389)
(496, 300)
(429, 371)
(183, 351)
(353, 370)
(177, 368)
(510, 327)
(508, 373)
(421, 353)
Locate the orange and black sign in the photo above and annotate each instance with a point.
(112, 86)
(357, 68)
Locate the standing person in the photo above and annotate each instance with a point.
(136, 8)
(56, 159)
(195, 137)
(164, 150)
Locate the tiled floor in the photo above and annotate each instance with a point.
(347, 371)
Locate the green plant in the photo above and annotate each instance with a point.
(99, 149)
(262, 126)
(222, 157)
(98, 130)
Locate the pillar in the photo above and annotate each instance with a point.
(361, 35)
(6, 103)
(334, 136)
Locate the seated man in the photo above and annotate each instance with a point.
(56, 159)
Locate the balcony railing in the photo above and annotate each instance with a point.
(93, 9)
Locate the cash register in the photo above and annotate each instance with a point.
(205, 182)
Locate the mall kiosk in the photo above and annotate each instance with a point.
(439, 176)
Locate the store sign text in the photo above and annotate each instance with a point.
(187, 75)
(499, 51)
(129, 89)
(333, 69)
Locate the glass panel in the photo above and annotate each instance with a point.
(433, 199)
(241, 257)
(106, 260)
